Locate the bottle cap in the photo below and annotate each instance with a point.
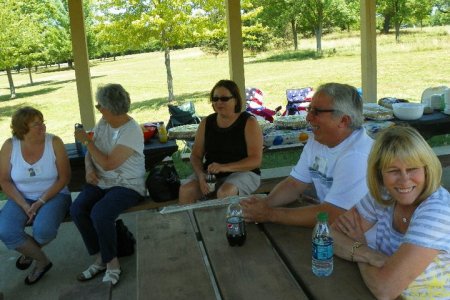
(322, 216)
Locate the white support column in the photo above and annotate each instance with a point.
(368, 50)
(235, 47)
(81, 63)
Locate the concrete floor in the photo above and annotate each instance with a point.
(69, 258)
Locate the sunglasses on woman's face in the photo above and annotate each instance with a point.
(223, 98)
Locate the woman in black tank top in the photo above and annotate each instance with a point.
(228, 144)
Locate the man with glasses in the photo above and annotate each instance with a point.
(334, 162)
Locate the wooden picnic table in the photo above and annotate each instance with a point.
(154, 152)
(186, 255)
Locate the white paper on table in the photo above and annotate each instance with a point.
(207, 203)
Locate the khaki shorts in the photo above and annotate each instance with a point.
(245, 182)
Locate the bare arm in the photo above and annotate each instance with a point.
(62, 167)
(254, 141)
(399, 270)
(110, 161)
(198, 152)
(8, 186)
(386, 277)
(287, 191)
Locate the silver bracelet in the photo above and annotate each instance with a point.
(42, 201)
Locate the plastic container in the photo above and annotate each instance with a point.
(162, 133)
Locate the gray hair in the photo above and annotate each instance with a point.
(114, 98)
(346, 101)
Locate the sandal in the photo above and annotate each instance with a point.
(23, 262)
(91, 272)
(37, 275)
(112, 275)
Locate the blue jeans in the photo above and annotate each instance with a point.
(95, 211)
(45, 226)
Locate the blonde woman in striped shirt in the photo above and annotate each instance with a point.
(412, 212)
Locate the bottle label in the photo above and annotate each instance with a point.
(322, 248)
(235, 226)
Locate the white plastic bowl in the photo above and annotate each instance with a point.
(408, 111)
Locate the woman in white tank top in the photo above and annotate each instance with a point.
(34, 173)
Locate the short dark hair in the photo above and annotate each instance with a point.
(114, 98)
(21, 118)
(234, 90)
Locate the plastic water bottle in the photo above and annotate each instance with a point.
(322, 247)
(236, 233)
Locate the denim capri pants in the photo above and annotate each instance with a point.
(45, 226)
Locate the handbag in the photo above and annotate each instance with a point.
(125, 240)
(163, 183)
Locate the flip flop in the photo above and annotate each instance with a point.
(23, 262)
(92, 271)
(37, 274)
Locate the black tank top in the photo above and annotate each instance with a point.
(224, 145)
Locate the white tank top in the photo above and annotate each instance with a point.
(32, 180)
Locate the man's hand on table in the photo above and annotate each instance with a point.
(256, 209)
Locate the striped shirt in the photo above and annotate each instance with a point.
(429, 227)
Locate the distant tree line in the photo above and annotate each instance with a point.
(37, 32)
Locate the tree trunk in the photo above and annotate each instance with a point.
(31, 77)
(318, 34)
(169, 74)
(294, 33)
(70, 64)
(386, 24)
(397, 32)
(12, 89)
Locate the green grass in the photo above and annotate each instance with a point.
(405, 69)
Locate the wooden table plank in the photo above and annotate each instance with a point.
(294, 244)
(253, 271)
(169, 260)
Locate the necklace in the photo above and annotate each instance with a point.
(404, 219)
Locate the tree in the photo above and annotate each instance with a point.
(420, 10)
(397, 12)
(15, 29)
(319, 14)
(278, 14)
(174, 23)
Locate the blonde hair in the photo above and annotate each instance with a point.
(406, 144)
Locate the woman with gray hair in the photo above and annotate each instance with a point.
(115, 170)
